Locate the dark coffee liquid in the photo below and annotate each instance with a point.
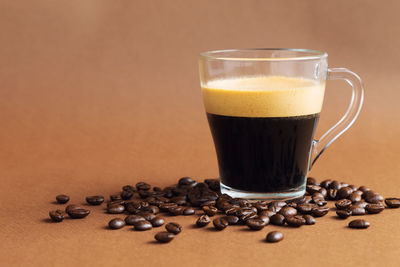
(263, 154)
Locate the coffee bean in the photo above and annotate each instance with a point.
(307, 199)
(176, 210)
(244, 218)
(129, 188)
(359, 224)
(274, 236)
(392, 202)
(77, 212)
(343, 213)
(184, 181)
(288, 211)
(319, 199)
(173, 227)
(311, 189)
(151, 209)
(244, 211)
(116, 223)
(364, 189)
(305, 208)
(375, 208)
(372, 197)
(203, 220)
(143, 186)
(132, 219)
(115, 197)
(213, 184)
(62, 199)
(167, 206)
(295, 221)
(164, 237)
(157, 221)
(56, 215)
(325, 183)
(323, 192)
(180, 200)
(143, 225)
(356, 210)
(344, 192)
(309, 219)
(355, 196)
(266, 213)
(277, 203)
(353, 187)
(312, 181)
(264, 218)
(188, 211)
(95, 200)
(147, 215)
(319, 211)
(210, 210)
(220, 223)
(343, 204)
(332, 194)
(125, 195)
(260, 207)
(116, 209)
(256, 224)
(231, 219)
(361, 204)
(209, 203)
(277, 219)
(334, 185)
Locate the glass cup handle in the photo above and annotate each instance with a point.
(357, 98)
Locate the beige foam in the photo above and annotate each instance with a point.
(263, 96)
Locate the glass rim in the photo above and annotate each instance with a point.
(315, 54)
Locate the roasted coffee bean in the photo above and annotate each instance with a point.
(210, 203)
(166, 206)
(311, 189)
(115, 197)
(180, 200)
(185, 181)
(312, 181)
(147, 215)
(323, 192)
(375, 208)
(277, 203)
(143, 186)
(157, 189)
(319, 211)
(343, 204)
(309, 219)
(151, 209)
(359, 224)
(203, 220)
(342, 184)
(220, 223)
(274, 236)
(198, 195)
(355, 196)
(56, 215)
(352, 186)
(116, 223)
(62, 199)
(210, 210)
(372, 197)
(129, 188)
(143, 225)
(260, 207)
(356, 210)
(243, 211)
(295, 221)
(292, 205)
(319, 199)
(325, 183)
(77, 212)
(125, 195)
(95, 200)
(244, 218)
(256, 224)
(231, 219)
(343, 213)
(277, 219)
(231, 211)
(157, 221)
(213, 184)
(188, 211)
(332, 194)
(288, 211)
(145, 194)
(132, 219)
(334, 185)
(164, 237)
(364, 189)
(392, 202)
(307, 199)
(115, 209)
(173, 227)
(305, 208)
(176, 210)
(344, 192)
(361, 204)
(264, 218)
(266, 213)
(117, 202)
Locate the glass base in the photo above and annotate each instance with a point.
(283, 195)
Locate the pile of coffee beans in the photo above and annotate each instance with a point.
(143, 205)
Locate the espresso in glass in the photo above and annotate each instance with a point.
(263, 128)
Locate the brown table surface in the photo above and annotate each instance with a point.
(95, 95)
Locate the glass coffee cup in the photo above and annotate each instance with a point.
(263, 107)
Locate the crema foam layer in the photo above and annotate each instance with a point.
(263, 96)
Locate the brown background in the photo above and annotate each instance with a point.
(98, 94)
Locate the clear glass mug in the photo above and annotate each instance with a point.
(263, 106)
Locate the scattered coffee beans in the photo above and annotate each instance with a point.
(62, 199)
(220, 224)
(295, 221)
(203, 220)
(77, 212)
(277, 219)
(392, 202)
(143, 225)
(115, 208)
(359, 224)
(157, 221)
(375, 208)
(274, 237)
(56, 215)
(343, 213)
(254, 224)
(116, 223)
(173, 227)
(164, 237)
(188, 211)
(309, 219)
(132, 219)
(95, 200)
